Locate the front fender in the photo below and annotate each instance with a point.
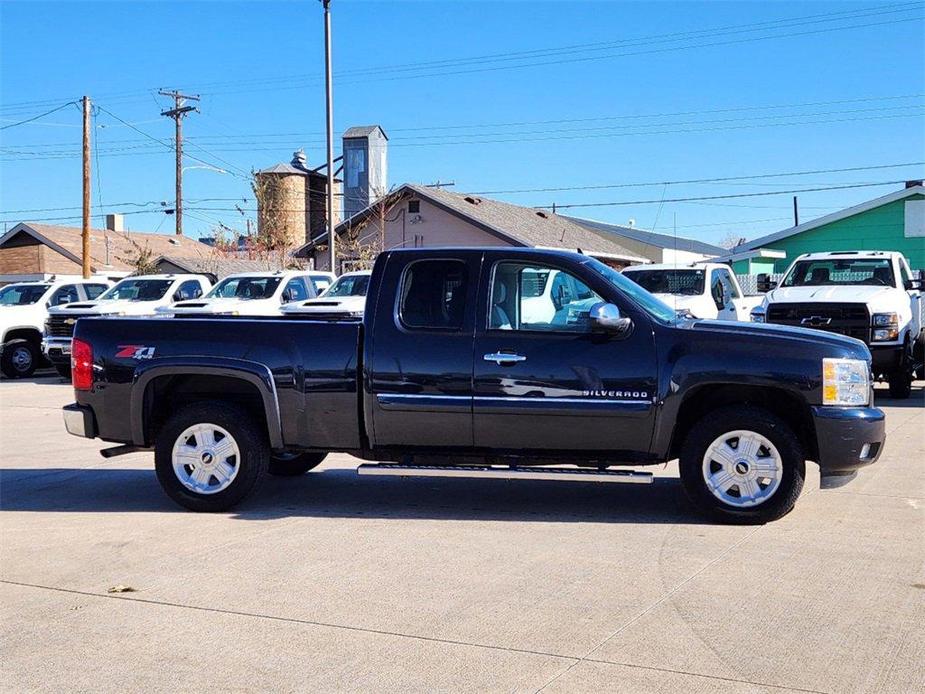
(253, 372)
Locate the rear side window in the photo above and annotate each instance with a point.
(94, 290)
(295, 290)
(433, 294)
(65, 295)
(191, 289)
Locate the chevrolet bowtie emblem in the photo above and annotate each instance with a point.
(815, 321)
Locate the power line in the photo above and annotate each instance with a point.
(715, 197)
(41, 115)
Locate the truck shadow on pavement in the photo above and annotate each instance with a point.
(341, 493)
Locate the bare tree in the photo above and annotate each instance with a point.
(140, 258)
(731, 240)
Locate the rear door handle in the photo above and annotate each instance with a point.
(504, 358)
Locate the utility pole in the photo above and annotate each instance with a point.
(796, 212)
(177, 112)
(85, 227)
(329, 105)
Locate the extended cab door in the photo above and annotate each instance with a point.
(419, 349)
(543, 381)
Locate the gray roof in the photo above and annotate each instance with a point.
(518, 225)
(364, 131)
(282, 168)
(650, 237)
(220, 267)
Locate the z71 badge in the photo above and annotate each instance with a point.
(135, 352)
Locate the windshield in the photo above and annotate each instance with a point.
(833, 272)
(138, 290)
(349, 285)
(684, 282)
(655, 308)
(22, 294)
(245, 288)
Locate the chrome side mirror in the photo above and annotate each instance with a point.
(606, 317)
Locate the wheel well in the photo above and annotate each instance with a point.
(166, 394)
(30, 334)
(707, 398)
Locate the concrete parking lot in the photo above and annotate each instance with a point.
(334, 582)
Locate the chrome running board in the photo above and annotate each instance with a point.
(507, 473)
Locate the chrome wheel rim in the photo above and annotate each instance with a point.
(742, 468)
(22, 358)
(206, 458)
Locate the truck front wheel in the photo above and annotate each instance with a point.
(209, 456)
(294, 464)
(20, 358)
(742, 465)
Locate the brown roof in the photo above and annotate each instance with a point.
(111, 249)
(521, 226)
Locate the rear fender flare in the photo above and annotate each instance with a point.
(255, 373)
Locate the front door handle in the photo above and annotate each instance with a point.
(504, 358)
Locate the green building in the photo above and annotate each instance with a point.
(893, 222)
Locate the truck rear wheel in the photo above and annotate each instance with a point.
(209, 456)
(294, 464)
(742, 465)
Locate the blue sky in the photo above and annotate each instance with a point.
(496, 96)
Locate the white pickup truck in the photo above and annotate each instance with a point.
(345, 298)
(254, 294)
(702, 290)
(24, 308)
(868, 295)
(140, 295)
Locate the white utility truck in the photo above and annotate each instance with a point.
(700, 290)
(24, 308)
(140, 295)
(869, 295)
(345, 298)
(249, 294)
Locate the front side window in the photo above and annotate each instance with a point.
(726, 278)
(532, 297)
(65, 295)
(245, 288)
(349, 285)
(191, 289)
(830, 272)
(295, 290)
(138, 290)
(94, 290)
(434, 294)
(22, 294)
(716, 291)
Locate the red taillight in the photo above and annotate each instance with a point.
(81, 364)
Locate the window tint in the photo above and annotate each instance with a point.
(191, 289)
(65, 295)
(94, 290)
(530, 297)
(295, 290)
(434, 294)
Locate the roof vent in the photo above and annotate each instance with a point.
(299, 160)
(540, 213)
(473, 201)
(175, 242)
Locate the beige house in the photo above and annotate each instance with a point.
(415, 216)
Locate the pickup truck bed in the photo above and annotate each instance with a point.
(445, 369)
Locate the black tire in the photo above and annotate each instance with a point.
(20, 358)
(900, 385)
(64, 370)
(294, 464)
(759, 421)
(250, 439)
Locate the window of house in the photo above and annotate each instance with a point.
(531, 297)
(414, 206)
(434, 294)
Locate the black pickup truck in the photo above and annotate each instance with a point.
(483, 362)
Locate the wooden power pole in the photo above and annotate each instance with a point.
(177, 112)
(85, 227)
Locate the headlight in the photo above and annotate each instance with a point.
(845, 382)
(882, 320)
(885, 335)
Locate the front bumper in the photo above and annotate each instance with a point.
(79, 420)
(848, 438)
(57, 349)
(885, 358)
